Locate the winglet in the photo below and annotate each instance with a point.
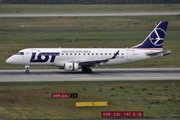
(115, 55)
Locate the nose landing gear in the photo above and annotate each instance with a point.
(27, 69)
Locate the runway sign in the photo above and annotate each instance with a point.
(122, 114)
(74, 95)
(64, 95)
(91, 104)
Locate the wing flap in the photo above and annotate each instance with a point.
(92, 62)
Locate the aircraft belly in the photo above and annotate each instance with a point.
(41, 64)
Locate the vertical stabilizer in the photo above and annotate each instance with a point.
(156, 38)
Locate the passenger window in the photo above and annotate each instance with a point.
(92, 53)
(96, 53)
(79, 53)
(101, 54)
(74, 53)
(62, 53)
(105, 53)
(84, 53)
(109, 53)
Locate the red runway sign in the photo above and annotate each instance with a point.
(64, 95)
(60, 95)
(122, 114)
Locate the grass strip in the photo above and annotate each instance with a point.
(24, 8)
(32, 100)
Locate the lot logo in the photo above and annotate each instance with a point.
(157, 37)
(44, 56)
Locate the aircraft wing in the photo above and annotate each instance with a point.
(94, 61)
(164, 52)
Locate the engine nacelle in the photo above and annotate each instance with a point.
(71, 66)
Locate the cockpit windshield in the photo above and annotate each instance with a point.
(20, 53)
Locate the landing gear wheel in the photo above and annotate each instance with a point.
(89, 70)
(86, 70)
(27, 71)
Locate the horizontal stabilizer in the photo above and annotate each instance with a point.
(164, 52)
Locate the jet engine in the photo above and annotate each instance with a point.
(71, 66)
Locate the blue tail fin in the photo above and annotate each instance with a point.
(156, 38)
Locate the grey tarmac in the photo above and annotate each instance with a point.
(104, 74)
(88, 14)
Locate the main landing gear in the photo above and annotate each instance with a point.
(27, 69)
(86, 70)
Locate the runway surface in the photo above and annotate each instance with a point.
(87, 14)
(97, 75)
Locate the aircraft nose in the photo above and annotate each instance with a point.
(9, 60)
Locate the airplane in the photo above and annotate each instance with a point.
(73, 59)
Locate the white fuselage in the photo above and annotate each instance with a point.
(60, 56)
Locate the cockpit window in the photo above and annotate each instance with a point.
(20, 53)
(17, 53)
